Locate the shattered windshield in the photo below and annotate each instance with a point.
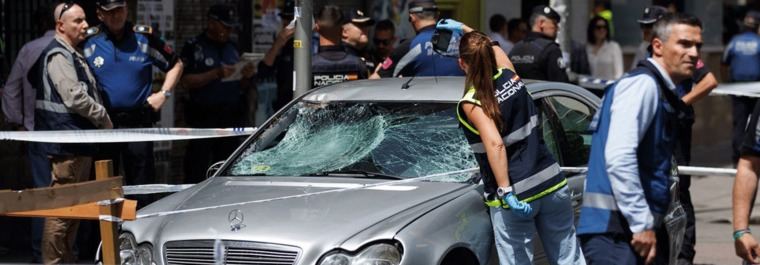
(401, 140)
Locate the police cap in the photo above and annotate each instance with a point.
(358, 18)
(652, 14)
(107, 5)
(419, 6)
(546, 11)
(224, 14)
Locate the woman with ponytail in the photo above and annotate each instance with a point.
(524, 188)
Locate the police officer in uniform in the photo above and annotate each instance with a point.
(416, 57)
(356, 37)
(538, 56)
(122, 57)
(216, 99)
(333, 64)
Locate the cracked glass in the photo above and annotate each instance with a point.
(361, 139)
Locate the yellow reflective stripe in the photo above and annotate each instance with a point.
(497, 202)
(468, 97)
(497, 75)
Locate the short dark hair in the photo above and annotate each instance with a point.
(330, 19)
(385, 24)
(590, 37)
(663, 26)
(497, 22)
(514, 24)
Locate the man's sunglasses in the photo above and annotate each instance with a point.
(66, 6)
(381, 41)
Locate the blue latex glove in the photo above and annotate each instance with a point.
(450, 24)
(520, 208)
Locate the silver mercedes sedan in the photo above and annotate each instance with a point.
(372, 172)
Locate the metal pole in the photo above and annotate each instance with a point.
(302, 46)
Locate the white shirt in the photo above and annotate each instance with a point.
(607, 62)
(505, 44)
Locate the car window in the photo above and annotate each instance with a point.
(574, 117)
(548, 129)
(398, 139)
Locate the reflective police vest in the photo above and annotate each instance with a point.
(50, 112)
(599, 213)
(333, 64)
(533, 172)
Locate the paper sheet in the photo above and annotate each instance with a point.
(245, 59)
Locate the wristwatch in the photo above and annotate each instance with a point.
(167, 93)
(501, 191)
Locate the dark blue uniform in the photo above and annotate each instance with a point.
(124, 70)
(334, 64)
(219, 104)
(416, 57)
(538, 57)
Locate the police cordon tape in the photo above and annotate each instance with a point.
(154, 188)
(123, 135)
(745, 89)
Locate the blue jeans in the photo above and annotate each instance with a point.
(552, 218)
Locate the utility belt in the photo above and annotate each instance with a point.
(135, 118)
(491, 200)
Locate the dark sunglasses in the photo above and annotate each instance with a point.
(601, 27)
(381, 41)
(66, 6)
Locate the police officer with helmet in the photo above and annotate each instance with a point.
(538, 56)
(122, 56)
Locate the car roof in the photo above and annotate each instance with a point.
(420, 89)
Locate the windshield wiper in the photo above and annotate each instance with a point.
(363, 173)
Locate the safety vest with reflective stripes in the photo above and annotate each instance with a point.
(599, 211)
(50, 112)
(533, 172)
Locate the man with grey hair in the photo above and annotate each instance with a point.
(631, 163)
(538, 56)
(68, 100)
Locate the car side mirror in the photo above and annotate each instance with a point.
(214, 168)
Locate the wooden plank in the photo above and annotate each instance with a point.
(88, 211)
(109, 229)
(60, 196)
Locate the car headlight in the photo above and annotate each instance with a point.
(377, 254)
(130, 253)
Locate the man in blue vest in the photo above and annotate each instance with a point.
(67, 99)
(741, 63)
(416, 57)
(217, 97)
(538, 56)
(630, 167)
(122, 57)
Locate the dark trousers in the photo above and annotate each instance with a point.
(742, 108)
(683, 156)
(604, 249)
(202, 153)
(136, 157)
(39, 166)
